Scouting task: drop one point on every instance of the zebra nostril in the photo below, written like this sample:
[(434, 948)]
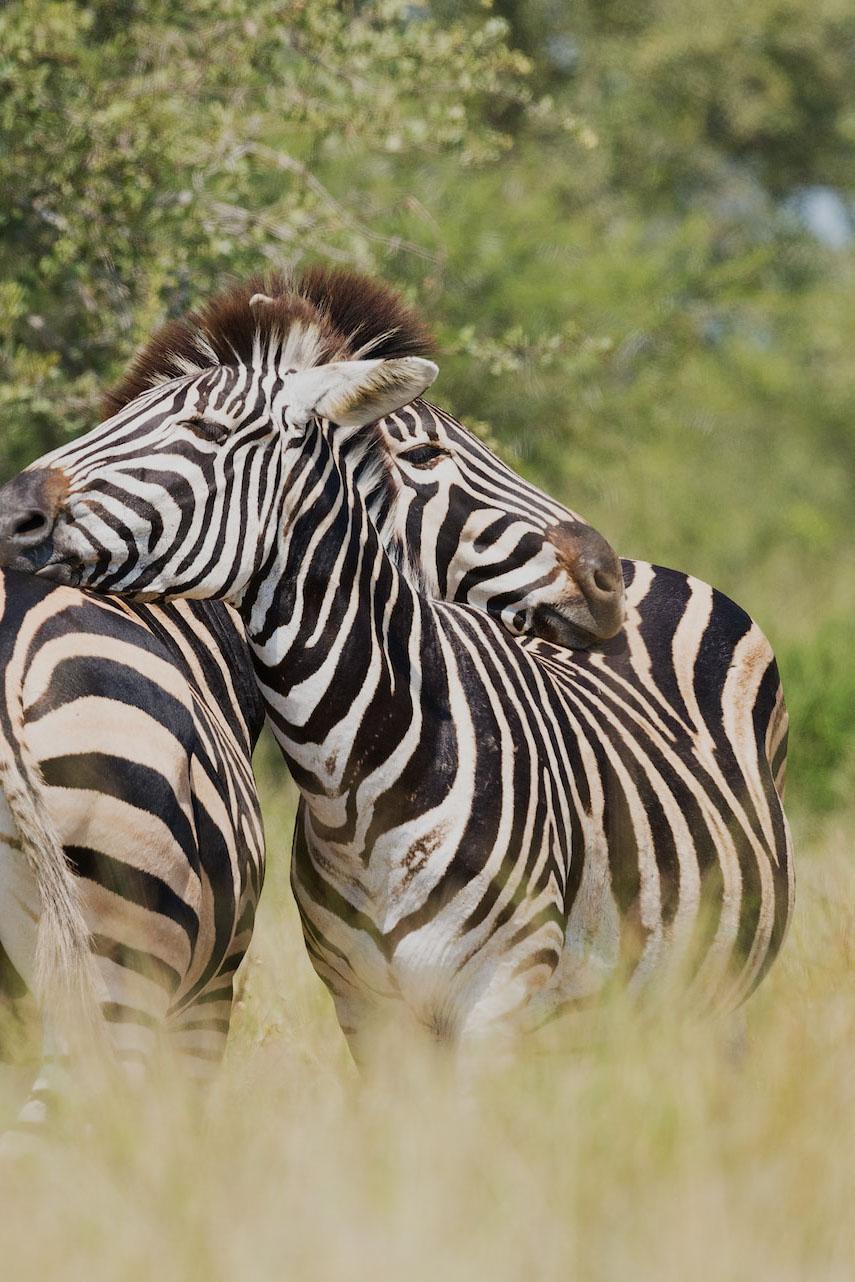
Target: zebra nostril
[(602, 586), (604, 581), (599, 576), (29, 526), (29, 506), (26, 529), (595, 575)]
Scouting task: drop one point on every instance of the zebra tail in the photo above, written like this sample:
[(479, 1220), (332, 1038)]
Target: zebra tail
[(65, 982)]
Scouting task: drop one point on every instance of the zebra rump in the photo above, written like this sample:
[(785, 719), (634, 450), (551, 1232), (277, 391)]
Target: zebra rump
[(127, 734)]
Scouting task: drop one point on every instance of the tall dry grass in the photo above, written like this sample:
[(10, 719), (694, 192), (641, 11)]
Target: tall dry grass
[(662, 1150)]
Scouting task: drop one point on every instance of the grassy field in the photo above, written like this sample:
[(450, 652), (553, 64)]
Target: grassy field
[(661, 1150)]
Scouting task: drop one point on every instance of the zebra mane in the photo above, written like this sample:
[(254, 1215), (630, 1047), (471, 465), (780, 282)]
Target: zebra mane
[(325, 314)]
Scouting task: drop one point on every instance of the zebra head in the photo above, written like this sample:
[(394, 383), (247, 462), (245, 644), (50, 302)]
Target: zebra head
[(473, 531), (181, 490)]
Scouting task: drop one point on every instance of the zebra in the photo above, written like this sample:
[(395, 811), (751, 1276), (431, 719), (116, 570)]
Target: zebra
[(76, 668), (74, 700), (75, 724), (493, 826), (131, 844)]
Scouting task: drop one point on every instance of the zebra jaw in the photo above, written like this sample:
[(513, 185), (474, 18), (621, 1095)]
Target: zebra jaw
[(553, 624)]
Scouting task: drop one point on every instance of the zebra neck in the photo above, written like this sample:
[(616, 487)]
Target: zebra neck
[(346, 651)]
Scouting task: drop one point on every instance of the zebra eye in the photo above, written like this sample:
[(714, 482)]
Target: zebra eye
[(424, 455), (206, 429)]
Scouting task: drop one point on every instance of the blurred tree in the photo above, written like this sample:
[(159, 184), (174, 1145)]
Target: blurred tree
[(657, 317), (821, 680), (146, 149), (689, 88), (682, 89)]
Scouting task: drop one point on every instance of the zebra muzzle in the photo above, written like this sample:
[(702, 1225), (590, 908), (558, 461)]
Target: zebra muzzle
[(597, 608), (29, 505)]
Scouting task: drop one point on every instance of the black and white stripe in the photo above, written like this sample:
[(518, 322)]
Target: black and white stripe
[(494, 827), (131, 728)]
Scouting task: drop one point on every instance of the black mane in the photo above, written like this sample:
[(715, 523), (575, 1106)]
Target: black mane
[(325, 314)]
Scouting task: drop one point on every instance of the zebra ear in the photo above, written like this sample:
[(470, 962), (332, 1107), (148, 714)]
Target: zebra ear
[(353, 393)]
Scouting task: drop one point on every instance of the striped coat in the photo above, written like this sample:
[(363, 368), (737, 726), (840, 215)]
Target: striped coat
[(127, 734), (493, 827)]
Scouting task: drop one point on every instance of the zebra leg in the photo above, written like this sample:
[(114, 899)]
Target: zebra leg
[(199, 1031), (134, 1011), (133, 1005), (738, 1039), (19, 914), (19, 907), (18, 1028)]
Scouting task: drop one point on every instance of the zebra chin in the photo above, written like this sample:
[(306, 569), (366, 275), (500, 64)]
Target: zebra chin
[(69, 573), (42, 560), (573, 626)]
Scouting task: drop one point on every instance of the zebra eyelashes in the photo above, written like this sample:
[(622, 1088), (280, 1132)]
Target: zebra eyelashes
[(427, 455)]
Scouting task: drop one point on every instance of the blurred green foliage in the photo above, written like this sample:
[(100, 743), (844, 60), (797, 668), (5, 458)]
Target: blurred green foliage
[(629, 221), (146, 150), (821, 696)]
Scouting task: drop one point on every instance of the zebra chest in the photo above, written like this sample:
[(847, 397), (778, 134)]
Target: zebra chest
[(459, 943)]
